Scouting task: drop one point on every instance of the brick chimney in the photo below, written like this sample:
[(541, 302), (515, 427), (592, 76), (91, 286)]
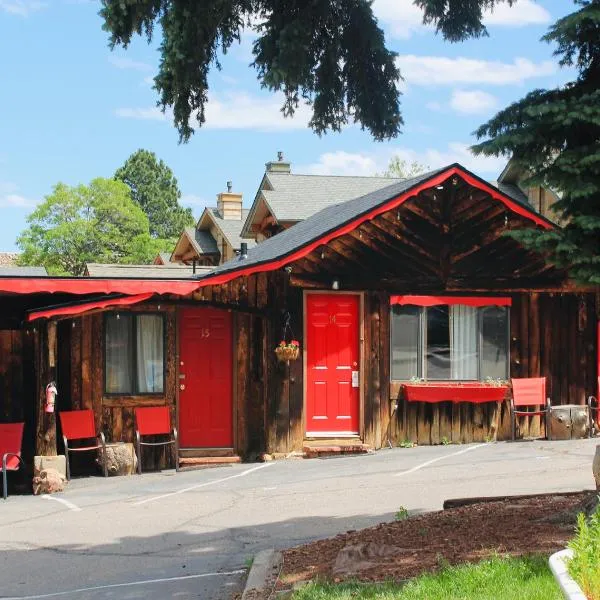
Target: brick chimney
[(279, 165), (229, 204)]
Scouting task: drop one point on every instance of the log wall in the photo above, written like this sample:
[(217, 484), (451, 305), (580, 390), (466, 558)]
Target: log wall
[(17, 385)]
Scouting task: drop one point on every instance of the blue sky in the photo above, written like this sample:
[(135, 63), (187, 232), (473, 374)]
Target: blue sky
[(72, 110)]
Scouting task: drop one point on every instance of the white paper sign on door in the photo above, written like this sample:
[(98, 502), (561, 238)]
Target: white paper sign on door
[(354, 379)]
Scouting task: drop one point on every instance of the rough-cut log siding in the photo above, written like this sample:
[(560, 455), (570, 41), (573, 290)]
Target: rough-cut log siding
[(18, 393), (552, 336)]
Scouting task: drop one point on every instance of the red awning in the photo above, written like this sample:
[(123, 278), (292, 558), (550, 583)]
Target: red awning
[(451, 300), (88, 285), (81, 307)]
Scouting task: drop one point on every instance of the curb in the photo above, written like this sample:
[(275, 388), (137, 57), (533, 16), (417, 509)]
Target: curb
[(263, 573), (568, 586)]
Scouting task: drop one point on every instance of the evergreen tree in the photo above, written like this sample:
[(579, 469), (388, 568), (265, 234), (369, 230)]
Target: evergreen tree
[(154, 187), (331, 55), (554, 135)]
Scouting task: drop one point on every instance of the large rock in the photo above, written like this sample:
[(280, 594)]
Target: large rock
[(48, 481), (596, 467), (120, 459), (354, 558)]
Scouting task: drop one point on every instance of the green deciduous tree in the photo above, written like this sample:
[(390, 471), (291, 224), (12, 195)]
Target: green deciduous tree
[(330, 54), (95, 223), (402, 169), (154, 187)]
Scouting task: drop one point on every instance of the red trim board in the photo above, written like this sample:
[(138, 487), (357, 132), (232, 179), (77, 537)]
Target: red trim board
[(77, 309), (450, 300)]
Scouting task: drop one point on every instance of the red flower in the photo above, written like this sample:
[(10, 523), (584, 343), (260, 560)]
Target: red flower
[(295, 343)]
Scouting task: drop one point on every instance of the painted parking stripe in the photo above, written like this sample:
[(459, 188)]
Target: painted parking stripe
[(434, 460), (66, 503), (201, 485), (129, 584)]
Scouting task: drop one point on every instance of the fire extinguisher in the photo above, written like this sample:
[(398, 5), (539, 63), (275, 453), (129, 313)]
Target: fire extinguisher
[(51, 393)]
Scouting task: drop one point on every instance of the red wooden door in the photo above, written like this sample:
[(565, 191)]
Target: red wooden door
[(205, 392), (332, 395)]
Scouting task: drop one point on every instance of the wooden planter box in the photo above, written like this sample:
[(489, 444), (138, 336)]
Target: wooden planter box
[(454, 392)]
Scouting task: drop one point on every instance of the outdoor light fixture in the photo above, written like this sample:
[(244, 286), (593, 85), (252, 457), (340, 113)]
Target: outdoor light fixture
[(322, 253), (439, 187), (335, 284), (288, 269), (118, 316)]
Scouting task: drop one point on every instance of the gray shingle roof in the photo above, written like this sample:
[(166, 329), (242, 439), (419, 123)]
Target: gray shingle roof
[(297, 197), (231, 228), (334, 217), (203, 241), (319, 224), (23, 271), (169, 271)]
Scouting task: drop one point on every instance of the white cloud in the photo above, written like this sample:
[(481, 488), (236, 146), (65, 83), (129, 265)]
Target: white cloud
[(401, 18), (16, 201), (123, 62), (23, 8), (523, 12), (439, 70), (344, 163), (369, 163), (234, 110), (472, 101)]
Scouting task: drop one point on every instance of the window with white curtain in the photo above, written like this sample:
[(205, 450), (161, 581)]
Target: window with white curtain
[(454, 343), (134, 346)]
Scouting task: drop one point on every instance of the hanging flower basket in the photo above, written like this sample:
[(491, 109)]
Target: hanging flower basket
[(287, 351)]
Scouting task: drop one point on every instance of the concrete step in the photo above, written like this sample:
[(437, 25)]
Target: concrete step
[(208, 460), (202, 452), (321, 448)]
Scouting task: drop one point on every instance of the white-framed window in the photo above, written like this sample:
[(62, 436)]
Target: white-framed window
[(454, 342), (134, 353)]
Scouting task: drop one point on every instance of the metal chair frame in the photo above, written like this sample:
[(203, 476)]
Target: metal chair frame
[(529, 413), (5, 471), (5, 458), (102, 445), (139, 444)]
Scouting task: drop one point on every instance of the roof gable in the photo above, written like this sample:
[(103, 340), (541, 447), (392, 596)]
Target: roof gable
[(337, 220)]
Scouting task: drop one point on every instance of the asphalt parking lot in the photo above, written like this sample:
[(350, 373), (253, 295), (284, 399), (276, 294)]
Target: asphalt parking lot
[(190, 534)]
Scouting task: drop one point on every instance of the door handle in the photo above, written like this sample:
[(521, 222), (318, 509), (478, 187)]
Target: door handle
[(182, 386)]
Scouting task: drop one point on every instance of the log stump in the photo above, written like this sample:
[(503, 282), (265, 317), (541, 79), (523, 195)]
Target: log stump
[(120, 459), (569, 422)]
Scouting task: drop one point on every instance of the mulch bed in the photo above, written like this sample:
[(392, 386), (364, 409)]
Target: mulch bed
[(425, 542)]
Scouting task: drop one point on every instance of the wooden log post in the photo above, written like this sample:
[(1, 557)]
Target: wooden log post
[(45, 339)]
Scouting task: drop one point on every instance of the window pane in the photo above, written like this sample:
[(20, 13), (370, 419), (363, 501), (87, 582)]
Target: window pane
[(150, 354), (494, 345), (119, 368), (405, 342), (438, 342), (463, 342)]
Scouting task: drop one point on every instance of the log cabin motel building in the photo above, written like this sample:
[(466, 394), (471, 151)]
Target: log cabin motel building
[(411, 307)]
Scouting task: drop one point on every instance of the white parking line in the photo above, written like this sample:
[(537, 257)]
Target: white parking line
[(68, 504), (201, 485), (434, 460), (129, 584)]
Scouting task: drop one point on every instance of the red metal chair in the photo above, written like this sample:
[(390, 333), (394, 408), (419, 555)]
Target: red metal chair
[(594, 406), (79, 425), (528, 392), (11, 438), (155, 420)]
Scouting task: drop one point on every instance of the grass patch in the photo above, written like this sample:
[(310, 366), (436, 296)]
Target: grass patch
[(500, 578), (585, 565)]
